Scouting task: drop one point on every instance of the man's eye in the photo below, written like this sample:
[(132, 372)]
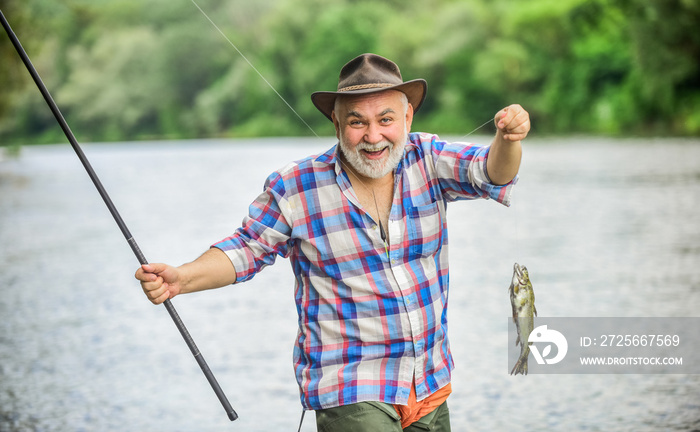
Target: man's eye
[(386, 120), (355, 123)]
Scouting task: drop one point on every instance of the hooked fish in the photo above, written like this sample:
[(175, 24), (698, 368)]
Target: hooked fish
[(522, 299)]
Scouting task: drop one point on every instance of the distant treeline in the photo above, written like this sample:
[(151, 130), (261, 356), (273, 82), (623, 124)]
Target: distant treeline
[(151, 69)]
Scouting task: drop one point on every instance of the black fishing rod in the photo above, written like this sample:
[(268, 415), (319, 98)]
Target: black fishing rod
[(117, 218)]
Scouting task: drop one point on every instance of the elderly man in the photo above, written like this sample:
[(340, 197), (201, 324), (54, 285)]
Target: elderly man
[(364, 227)]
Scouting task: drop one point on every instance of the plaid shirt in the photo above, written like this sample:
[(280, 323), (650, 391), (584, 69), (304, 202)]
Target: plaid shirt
[(370, 322)]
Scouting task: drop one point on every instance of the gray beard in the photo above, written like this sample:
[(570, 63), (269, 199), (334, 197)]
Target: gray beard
[(374, 169)]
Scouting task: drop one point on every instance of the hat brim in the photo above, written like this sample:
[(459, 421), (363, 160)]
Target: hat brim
[(414, 90)]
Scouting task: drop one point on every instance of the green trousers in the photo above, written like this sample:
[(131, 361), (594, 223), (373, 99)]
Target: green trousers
[(378, 417)]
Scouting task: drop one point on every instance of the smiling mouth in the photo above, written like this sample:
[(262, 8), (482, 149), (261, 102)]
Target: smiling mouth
[(374, 154)]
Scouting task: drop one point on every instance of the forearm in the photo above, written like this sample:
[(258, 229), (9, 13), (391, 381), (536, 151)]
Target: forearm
[(503, 161), (213, 269)]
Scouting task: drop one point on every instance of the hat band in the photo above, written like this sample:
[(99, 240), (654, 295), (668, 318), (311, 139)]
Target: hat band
[(366, 86)]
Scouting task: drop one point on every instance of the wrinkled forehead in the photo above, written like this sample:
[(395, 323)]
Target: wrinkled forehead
[(372, 103)]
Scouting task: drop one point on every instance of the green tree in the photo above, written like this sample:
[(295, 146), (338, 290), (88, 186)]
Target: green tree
[(128, 69)]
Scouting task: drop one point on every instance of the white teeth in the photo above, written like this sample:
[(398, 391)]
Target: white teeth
[(373, 148)]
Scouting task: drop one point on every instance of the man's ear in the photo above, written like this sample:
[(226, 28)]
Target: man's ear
[(336, 123), (409, 117)]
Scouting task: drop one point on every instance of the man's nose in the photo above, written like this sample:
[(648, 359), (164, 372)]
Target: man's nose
[(373, 134)]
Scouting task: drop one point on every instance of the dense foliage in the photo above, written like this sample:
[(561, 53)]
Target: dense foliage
[(135, 69)]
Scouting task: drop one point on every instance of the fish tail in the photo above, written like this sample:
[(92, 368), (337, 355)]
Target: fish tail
[(521, 365)]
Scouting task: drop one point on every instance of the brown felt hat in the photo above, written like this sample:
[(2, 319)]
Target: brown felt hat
[(370, 73)]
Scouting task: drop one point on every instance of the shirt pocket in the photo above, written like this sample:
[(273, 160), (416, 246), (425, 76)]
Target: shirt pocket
[(425, 229)]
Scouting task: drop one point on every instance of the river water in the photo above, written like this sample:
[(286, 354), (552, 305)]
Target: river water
[(608, 228)]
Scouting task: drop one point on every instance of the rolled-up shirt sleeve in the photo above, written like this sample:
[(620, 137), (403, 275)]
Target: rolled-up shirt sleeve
[(478, 175), (461, 170), (264, 233)]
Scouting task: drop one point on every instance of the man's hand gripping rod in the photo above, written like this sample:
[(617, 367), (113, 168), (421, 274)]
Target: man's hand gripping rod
[(112, 209)]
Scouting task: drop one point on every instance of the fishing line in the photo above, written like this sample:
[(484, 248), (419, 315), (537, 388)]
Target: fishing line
[(478, 127), (254, 68), (515, 207), (517, 235)]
